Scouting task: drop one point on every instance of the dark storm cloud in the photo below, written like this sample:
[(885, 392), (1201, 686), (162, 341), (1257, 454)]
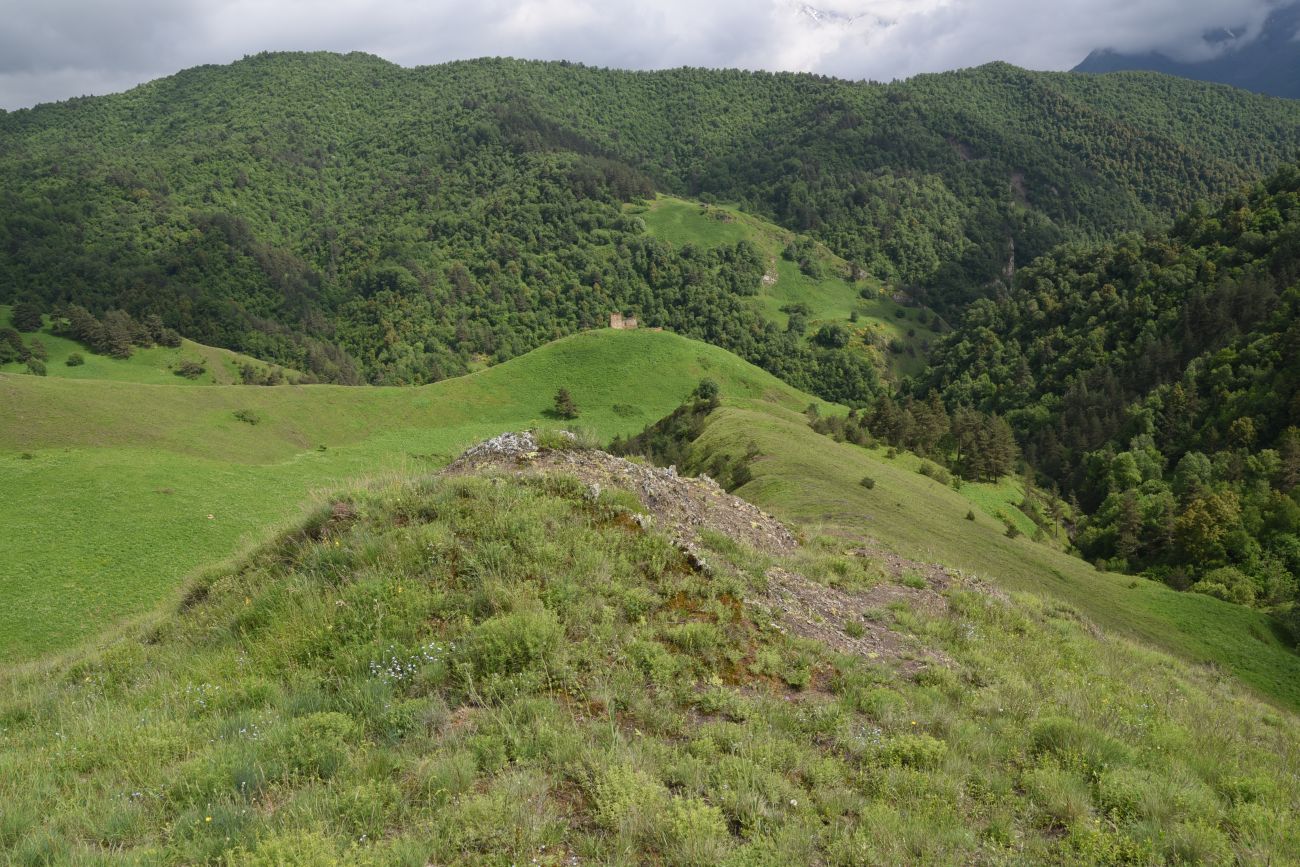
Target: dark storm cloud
[(54, 49)]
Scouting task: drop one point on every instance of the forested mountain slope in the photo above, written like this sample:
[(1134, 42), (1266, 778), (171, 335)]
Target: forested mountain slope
[(359, 221), (1157, 380)]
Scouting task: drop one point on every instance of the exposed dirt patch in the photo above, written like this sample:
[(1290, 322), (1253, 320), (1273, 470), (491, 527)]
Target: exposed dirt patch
[(937, 578), (827, 614), (1018, 187), (683, 507), (680, 506)]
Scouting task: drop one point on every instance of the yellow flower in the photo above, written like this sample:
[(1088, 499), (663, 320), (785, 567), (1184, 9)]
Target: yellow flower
[(208, 819)]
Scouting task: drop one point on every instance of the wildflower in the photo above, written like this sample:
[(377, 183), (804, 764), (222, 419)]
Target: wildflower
[(208, 819)]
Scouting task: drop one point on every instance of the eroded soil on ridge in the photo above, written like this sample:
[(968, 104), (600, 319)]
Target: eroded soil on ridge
[(680, 505), (848, 621)]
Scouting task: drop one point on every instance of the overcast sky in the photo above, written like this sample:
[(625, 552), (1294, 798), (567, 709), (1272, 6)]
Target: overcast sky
[(55, 49)]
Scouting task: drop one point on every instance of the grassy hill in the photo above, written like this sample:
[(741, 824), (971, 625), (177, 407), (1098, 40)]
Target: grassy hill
[(115, 490), (488, 669), (809, 479), (155, 364), (156, 481), (830, 298)]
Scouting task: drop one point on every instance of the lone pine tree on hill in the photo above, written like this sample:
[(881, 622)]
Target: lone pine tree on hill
[(564, 405)]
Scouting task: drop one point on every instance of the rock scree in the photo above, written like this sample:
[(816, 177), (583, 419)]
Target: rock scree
[(681, 506)]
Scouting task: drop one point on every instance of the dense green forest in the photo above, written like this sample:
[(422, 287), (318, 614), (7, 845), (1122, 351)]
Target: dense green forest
[(362, 222), (1156, 379)]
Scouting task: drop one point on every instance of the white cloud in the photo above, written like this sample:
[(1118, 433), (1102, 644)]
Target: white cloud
[(60, 48)]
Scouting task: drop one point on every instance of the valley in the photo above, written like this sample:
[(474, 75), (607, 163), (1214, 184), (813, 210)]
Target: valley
[(934, 497)]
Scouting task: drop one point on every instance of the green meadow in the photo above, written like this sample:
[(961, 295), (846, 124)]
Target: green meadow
[(147, 483), (114, 491), (251, 625), (492, 671), (830, 299)]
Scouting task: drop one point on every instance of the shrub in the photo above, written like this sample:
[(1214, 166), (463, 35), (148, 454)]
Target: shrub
[(1077, 745), (832, 336), (970, 514), (35, 367), (627, 800), (867, 482), (190, 369), (512, 642), (697, 832), (695, 637), (304, 848), (37, 349), (316, 745), (914, 751), (1060, 796), (931, 471), (575, 438), (439, 778), (248, 416), (1227, 583), (76, 359), (1197, 842), (1127, 794), (913, 580), (708, 389)]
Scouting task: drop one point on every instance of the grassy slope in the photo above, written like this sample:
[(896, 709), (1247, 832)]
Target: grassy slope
[(109, 485), (812, 480), (830, 299), (132, 473), (157, 364), (476, 673)]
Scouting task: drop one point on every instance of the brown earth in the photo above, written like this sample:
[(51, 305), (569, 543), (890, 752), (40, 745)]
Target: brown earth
[(683, 507)]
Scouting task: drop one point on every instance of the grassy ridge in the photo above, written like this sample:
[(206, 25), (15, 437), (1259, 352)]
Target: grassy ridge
[(132, 473), (110, 485), (831, 298), (475, 671), (155, 364), (807, 478)]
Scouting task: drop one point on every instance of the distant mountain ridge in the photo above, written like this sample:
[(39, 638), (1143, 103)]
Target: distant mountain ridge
[(351, 219), (1269, 64)]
